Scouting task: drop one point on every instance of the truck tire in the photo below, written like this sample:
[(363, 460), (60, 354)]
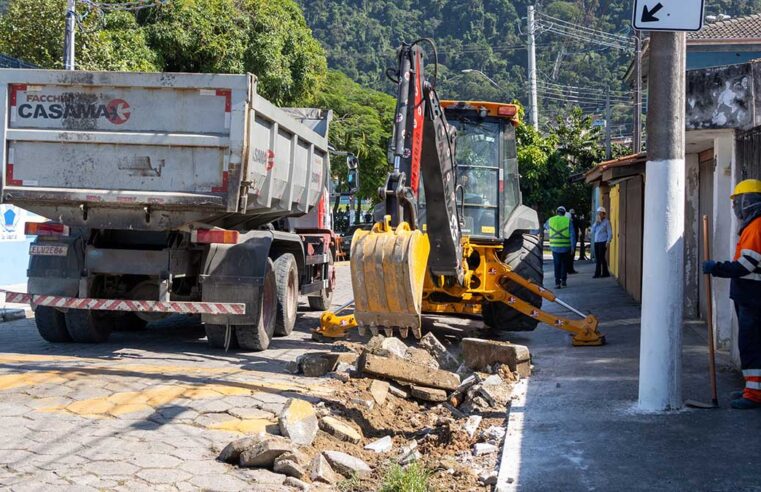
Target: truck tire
[(215, 336), (523, 252), (51, 324), (287, 279), (257, 337), (87, 326), (322, 301)]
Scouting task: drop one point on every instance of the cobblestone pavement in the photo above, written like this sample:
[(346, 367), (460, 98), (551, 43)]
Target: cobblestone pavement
[(148, 410)]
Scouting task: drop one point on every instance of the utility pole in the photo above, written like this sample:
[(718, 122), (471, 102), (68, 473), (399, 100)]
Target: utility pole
[(638, 93), (660, 368), (68, 47), (608, 121), (533, 104)]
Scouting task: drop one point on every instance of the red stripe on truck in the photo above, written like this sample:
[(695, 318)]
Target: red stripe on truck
[(14, 88)]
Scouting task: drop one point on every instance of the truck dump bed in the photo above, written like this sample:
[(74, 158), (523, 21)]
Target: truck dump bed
[(156, 151)]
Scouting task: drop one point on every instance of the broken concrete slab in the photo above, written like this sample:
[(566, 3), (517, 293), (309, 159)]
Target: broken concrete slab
[(367, 403), (231, 452), (408, 453), (379, 390), (471, 425), (382, 445), (488, 478), (494, 432), (296, 484), (298, 421), (290, 464), (397, 391), (496, 395), (402, 370), (321, 471), (478, 354), (339, 429), (320, 363), (420, 357), (433, 346), (483, 448), (263, 453), (428, 394), (346, 464)]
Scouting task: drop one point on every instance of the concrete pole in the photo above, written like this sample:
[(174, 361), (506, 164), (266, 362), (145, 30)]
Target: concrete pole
[(660, 371), (68, 47), (638, 94), (533, 98)]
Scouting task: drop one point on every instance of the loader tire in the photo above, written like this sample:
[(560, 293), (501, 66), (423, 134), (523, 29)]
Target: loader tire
[(51, 323), (323, 301), (287, 279), (215, 336), (257, 337), (523, 253), (87, 326)]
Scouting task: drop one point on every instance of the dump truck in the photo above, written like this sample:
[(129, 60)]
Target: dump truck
[(452, 236), (166, 194)]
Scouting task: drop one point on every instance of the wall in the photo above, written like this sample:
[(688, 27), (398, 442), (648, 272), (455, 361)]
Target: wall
[(691, 238), (706, 59), (615, 244), (721, 97), (724, 235)]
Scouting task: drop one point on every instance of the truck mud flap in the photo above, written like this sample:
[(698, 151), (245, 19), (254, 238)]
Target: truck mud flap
[(235, 273)]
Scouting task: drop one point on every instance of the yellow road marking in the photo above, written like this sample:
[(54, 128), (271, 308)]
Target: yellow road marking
[(248, 426)]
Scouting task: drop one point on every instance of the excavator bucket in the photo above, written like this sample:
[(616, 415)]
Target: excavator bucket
[(387, 273)]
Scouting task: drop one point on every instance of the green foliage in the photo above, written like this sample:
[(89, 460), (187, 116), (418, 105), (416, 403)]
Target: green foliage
[(413, 478), (362, 124), (269, 38)]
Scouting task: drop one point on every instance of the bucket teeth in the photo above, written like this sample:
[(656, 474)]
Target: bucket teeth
[(404, 332), (389, 332), (374, 330)]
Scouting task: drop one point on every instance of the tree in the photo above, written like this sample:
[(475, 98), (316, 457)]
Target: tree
[(269, 38), (33, 31), (362, 124)]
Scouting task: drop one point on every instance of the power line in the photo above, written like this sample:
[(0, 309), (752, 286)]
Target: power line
[(596, 96), (583, 89), (589, 30)]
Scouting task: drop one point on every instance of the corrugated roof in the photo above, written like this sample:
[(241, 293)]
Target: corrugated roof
[(748, 27), (629, 160)]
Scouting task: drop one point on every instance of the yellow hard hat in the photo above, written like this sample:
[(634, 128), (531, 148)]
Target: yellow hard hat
[(747, 186)]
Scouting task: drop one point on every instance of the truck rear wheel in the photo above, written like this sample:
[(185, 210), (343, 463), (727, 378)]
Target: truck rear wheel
[(215, 336), (86, 326), (51, 323), (287, 279), (523, 253), (257, 337), (322, 301)]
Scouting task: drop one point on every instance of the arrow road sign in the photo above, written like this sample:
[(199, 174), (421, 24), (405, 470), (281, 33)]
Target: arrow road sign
[(668, 15)]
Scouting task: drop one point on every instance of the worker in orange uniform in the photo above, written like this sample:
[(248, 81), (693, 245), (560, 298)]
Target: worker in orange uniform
[(745, 290)]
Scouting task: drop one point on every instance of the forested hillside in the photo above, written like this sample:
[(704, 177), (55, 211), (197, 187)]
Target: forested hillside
[(360, 37)]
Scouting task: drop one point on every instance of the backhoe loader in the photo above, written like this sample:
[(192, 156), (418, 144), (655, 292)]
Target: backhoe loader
[(453, 236)]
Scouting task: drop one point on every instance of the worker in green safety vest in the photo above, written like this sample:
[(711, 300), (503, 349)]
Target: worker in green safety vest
[(562, 236)]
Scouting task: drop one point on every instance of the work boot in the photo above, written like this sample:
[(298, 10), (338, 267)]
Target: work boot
[(557, 286), (564, 284), (744, 404)]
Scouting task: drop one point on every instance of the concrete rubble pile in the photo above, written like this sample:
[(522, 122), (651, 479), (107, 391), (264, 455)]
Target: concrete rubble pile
[(385, 385)]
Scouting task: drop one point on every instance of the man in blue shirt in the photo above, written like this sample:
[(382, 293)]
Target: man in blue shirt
[(562, 236), (602, 235)]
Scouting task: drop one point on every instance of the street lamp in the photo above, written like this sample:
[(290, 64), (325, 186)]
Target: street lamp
[(471, 70)]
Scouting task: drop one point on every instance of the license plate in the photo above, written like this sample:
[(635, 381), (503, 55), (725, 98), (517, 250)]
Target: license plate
[(49, 249)]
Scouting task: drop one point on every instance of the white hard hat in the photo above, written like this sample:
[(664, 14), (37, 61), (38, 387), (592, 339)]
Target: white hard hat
[(561, 208), (601, 210)]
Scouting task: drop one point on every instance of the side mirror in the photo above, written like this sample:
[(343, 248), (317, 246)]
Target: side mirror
[(352, 162)]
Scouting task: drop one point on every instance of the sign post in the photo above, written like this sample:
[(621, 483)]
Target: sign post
[(660, 372)]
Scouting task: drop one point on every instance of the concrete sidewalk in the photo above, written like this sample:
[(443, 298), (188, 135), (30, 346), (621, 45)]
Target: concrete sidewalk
[(580, 426)]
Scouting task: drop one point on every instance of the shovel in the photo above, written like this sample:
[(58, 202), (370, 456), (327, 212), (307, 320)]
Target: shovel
[(709, 323)]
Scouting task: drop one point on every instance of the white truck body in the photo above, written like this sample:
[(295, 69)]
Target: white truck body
[(155, 151)]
